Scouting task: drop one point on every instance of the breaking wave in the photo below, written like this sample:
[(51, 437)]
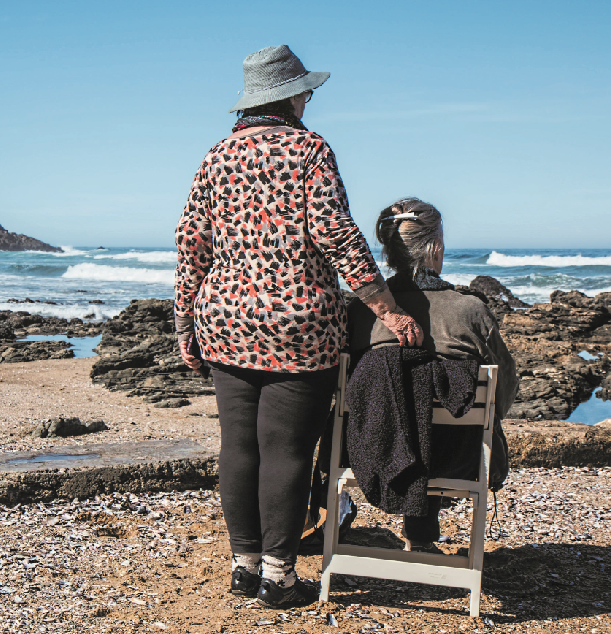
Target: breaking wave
[(553, 261), (150, 257), (69, 252), (69, 311), (105, 273)]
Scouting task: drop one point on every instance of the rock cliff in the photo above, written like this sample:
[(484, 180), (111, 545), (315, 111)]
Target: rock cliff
[(18, 242)]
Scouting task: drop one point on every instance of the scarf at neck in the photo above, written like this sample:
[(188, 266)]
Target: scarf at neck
[(425, 280), (268, 120)]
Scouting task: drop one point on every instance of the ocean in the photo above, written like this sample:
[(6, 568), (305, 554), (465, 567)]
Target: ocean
[(96, 284), (111, 277)]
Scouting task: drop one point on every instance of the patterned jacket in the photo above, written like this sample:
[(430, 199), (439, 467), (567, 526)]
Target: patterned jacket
[(261, 240)]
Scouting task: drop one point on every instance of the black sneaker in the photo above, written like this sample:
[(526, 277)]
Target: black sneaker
[(271, 595), (244, 583)]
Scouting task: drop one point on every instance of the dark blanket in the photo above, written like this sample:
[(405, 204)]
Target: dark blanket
[(389, 430)]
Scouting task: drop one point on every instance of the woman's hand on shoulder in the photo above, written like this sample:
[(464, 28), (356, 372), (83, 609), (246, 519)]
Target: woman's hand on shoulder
[(404, 327)]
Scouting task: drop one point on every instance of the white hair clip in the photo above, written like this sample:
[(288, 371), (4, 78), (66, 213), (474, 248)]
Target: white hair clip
[(405, 216)]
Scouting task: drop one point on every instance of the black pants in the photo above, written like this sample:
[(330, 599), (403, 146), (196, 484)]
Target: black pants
[(270, 424), (426, 528)]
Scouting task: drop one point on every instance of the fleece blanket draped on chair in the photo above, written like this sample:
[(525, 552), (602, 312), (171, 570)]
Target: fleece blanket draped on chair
[(389, 431)]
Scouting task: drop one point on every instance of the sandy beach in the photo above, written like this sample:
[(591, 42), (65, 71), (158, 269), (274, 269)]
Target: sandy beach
[(38, 390), (160, 561), (122, 552)]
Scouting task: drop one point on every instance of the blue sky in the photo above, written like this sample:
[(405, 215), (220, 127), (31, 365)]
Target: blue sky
[(496, 112)]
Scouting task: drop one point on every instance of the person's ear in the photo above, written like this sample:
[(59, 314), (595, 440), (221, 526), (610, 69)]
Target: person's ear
[(293, 100)]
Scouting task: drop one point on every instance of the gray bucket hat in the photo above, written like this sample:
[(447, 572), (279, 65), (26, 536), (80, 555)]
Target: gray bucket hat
[(275, 73)]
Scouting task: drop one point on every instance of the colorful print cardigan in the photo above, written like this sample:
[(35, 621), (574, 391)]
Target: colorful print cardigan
[(265, 231)]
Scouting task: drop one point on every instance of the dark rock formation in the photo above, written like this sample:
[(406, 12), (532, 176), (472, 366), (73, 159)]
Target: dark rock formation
[(19, 242), (14, 325), (497, 297), (65, 427), (558, 444), (546, 340), (493, 289), (21, 351), (139, 354), (6, 332), (605, 389), (23, 323)]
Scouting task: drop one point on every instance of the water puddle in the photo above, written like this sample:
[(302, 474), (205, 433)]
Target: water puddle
[(586, 356), (81, 346), (51, 457), (593, 411)]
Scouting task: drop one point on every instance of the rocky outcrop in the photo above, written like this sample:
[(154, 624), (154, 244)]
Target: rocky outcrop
[(139, 354), (19, 242), (64, 427), (22, 324), (497, 297), (546, 341), (22, 351), (496, 292), (557, 444), (19, 324)]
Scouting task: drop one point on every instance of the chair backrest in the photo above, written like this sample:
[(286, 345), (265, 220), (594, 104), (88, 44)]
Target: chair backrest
[(481, 413)]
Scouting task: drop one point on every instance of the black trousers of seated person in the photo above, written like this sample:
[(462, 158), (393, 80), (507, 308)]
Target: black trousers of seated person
[(426, 528), (270, 424)]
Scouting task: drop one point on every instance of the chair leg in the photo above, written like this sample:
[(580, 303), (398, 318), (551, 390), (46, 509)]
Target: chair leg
[(331, 538), (476, 547), (476, 591), (325, 584)]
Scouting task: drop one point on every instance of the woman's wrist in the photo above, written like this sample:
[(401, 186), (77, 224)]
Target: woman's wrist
[(371, 290), (383, 304), (184, 325)]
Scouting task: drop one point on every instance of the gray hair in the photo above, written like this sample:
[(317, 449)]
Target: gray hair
[(409, 231)]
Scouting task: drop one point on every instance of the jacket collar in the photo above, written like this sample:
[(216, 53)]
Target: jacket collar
[(425, 280)]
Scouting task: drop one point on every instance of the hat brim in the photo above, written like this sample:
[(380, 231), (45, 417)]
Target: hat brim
[(307, 82)]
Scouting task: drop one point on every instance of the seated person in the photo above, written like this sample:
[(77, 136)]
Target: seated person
[(456, 327)]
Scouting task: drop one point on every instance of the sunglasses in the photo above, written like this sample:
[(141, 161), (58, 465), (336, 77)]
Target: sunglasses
[(308, 94)]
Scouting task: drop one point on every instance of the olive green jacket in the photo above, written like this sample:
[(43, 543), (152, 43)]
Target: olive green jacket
[(455, 326)]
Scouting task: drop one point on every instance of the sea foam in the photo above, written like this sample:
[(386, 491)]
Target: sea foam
[(69, 311), (105, 273), (150, 257), (69, 252), (554, 261)]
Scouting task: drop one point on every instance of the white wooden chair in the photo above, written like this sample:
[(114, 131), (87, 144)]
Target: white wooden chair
[(444, 570)]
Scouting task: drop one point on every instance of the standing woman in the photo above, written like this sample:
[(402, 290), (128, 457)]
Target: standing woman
[(263, 236)]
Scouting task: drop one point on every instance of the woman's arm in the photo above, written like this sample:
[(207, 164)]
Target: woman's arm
[(193, 239), (344, 246)]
